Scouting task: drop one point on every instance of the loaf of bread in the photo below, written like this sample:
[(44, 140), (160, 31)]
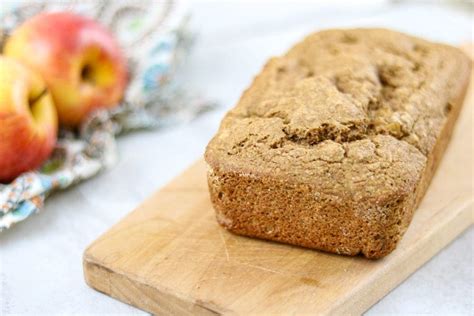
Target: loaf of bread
[(334, 144)]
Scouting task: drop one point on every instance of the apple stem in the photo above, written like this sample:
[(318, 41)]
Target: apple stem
[(87, 73), (32, 101)]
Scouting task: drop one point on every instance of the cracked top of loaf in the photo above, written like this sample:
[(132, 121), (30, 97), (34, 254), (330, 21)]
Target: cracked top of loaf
[(350, 112)]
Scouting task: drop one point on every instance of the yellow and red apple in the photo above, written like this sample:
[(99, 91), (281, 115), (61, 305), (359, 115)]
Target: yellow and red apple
[(28, 119), (79, 59)]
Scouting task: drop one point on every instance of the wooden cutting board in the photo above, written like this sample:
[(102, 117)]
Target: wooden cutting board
[(169, 256)]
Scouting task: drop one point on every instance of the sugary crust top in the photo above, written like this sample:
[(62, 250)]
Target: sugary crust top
[(350, 112)]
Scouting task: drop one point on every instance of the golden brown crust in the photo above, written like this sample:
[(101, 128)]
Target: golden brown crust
[(334, 144)]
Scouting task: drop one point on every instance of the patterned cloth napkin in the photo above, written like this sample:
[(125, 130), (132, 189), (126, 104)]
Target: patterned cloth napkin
[(155, 38)]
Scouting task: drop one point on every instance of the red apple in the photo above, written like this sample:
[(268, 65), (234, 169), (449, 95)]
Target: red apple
[(79, 59), (28, 119)]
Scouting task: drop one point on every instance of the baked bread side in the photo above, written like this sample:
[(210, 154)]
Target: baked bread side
[(334, 144)]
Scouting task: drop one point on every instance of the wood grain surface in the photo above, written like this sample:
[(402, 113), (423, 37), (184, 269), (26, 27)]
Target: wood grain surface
[(169, 256)]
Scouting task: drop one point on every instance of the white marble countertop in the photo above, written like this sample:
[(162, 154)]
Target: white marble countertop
[(41, 259)]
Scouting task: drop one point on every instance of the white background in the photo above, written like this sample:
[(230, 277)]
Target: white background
[(41, 259)]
